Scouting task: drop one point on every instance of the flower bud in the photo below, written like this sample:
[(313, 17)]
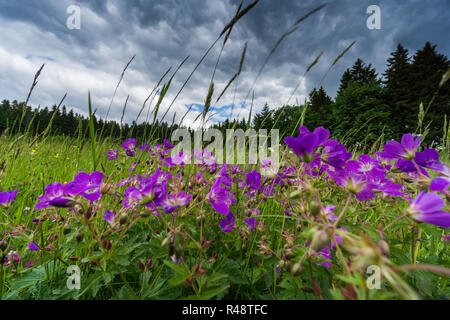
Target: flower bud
[(148, 199), (106, 244), (74, 259), (423, 182), (201, 219), (3, 245), (106, 188), (66, 229), (146, 213), (79, 236), (384, 248), (288, 266), (165, 242), (296, 269), (141, 266), (88, 214), (320, 240), (314, 207), (123, 218), (295, 194)]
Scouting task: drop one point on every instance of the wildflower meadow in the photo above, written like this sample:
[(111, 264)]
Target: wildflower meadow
[(319, 212)]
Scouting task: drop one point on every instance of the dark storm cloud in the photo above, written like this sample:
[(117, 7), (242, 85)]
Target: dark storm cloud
[(163, 33)]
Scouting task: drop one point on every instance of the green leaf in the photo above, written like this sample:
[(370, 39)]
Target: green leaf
[(210, 293), (181, 273)]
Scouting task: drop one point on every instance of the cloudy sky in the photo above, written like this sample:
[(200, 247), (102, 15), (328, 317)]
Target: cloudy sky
[(162, 33)]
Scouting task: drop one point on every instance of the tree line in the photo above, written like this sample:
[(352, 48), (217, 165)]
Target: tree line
[(16, 118), (368, 107), (410, 96)]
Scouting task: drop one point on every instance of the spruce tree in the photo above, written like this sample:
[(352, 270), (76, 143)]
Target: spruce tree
[(397, 80), (319, 110), (264, 119), (360, 72), (427, 70)]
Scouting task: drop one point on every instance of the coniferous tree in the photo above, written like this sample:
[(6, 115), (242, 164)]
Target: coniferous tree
[(360, 114), (397, 80), (427, 69), (360, 72), (319, 109), (263, 120)]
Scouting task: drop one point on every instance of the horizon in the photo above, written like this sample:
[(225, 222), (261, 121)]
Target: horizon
[(92, 58)]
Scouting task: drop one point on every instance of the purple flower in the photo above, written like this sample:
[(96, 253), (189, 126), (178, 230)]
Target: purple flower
[(405, 150), (175, 260), (113, 154), (58, 195), (33, 246), (130, 147), (28, 264), (227, 224), (252, 222), (168, 145), (325, 253), (368, 166), (145, 147), (327, 211), (439, 184), (151, 192), (7, 197), (133, 166), (427, 207), (90, 183), (387, 187), (199, 177), (353, 182), (306, 144), (407, 166), (446, 238), (205, 157), (220, 197), (179, 159), (174, 201), (253, 180), (129, 144), (429, 158), (335, 154), (16, 257), (109, 216)]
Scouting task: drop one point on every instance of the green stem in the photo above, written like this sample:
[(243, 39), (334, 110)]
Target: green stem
[(343, 209), (394, 221), (417, 245)]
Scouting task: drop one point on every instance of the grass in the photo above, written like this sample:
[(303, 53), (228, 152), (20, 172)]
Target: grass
[(147, 254), (242, 258)]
